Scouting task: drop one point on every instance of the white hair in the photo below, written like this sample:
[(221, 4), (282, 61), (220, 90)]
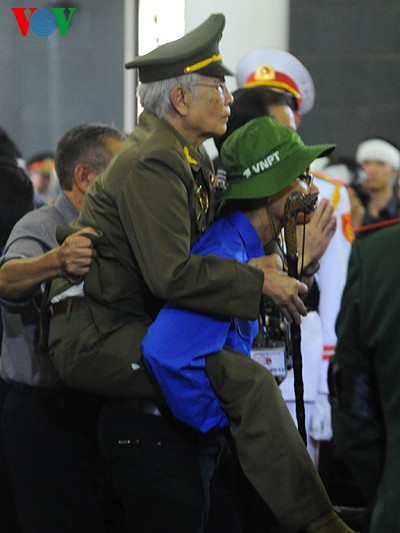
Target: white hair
[(156, 96)]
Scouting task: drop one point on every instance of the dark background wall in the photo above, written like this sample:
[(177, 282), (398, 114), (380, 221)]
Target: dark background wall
[(49, 84), (352, 49)]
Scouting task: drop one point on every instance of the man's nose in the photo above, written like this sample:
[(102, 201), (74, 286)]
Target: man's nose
[(228, 96)]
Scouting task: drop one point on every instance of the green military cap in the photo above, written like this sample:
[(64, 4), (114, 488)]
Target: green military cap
[(263, 157), (197, 51)]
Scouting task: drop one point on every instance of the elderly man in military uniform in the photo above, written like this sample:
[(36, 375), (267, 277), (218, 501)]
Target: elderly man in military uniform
[(149, 208)]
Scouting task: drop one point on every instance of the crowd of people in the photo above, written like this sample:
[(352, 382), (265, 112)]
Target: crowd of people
[(146, 306)]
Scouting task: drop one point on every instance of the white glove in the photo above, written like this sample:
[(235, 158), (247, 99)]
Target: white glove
[(321, 425)]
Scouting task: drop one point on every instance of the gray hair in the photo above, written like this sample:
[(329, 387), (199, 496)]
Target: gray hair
[(86, 142), (156, 96)]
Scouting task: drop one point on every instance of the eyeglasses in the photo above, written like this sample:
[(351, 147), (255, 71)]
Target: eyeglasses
[(220, 86), (307, 178)]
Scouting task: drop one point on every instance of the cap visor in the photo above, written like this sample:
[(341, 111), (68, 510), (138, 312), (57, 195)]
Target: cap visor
[(131, 64), (215, 70)]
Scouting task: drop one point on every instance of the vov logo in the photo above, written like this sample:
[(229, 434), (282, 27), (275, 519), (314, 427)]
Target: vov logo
[(43, 22)]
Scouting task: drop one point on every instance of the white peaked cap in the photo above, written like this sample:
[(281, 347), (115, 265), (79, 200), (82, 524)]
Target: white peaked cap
[(279, 70)]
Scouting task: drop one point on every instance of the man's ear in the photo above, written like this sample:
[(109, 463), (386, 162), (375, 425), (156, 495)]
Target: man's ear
[(83, 175), (180, 99)]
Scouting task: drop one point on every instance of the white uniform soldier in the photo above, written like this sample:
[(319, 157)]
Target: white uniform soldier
[(282, 71)]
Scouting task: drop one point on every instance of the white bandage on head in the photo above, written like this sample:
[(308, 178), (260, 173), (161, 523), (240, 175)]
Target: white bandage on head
[(378, 150)]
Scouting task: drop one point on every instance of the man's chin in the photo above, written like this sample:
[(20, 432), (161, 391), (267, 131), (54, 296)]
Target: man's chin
[(218, 132)]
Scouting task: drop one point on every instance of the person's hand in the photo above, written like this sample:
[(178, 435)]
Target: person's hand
[(77, 253), (285, 292), (319, 232)]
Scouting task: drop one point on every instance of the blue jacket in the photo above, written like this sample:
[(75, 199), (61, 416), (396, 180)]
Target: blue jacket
[(177, 343)]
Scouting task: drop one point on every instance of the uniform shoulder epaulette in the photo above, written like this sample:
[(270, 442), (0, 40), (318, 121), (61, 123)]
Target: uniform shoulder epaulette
[(369, 228), (325, 177)]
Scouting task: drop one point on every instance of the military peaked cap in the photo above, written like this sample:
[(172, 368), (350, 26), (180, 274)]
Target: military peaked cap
[(195, 52), (279, 70)]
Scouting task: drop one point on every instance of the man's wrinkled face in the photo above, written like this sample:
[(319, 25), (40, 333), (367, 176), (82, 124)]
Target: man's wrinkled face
[(210, 108)]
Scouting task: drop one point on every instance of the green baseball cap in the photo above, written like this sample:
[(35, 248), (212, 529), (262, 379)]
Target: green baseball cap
[(263, 157), (197, 51)]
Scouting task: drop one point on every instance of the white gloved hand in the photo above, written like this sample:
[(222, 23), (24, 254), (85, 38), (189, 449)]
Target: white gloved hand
[(321, 424)]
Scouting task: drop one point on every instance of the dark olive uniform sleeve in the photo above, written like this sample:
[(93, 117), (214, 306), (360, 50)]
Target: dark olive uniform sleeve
[(147, 210), (155, 212), (357, 439)]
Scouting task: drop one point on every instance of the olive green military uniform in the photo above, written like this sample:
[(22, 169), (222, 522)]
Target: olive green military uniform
[(149, 207), (144, 252), (366, 367), (96, 347), (156, 168)]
